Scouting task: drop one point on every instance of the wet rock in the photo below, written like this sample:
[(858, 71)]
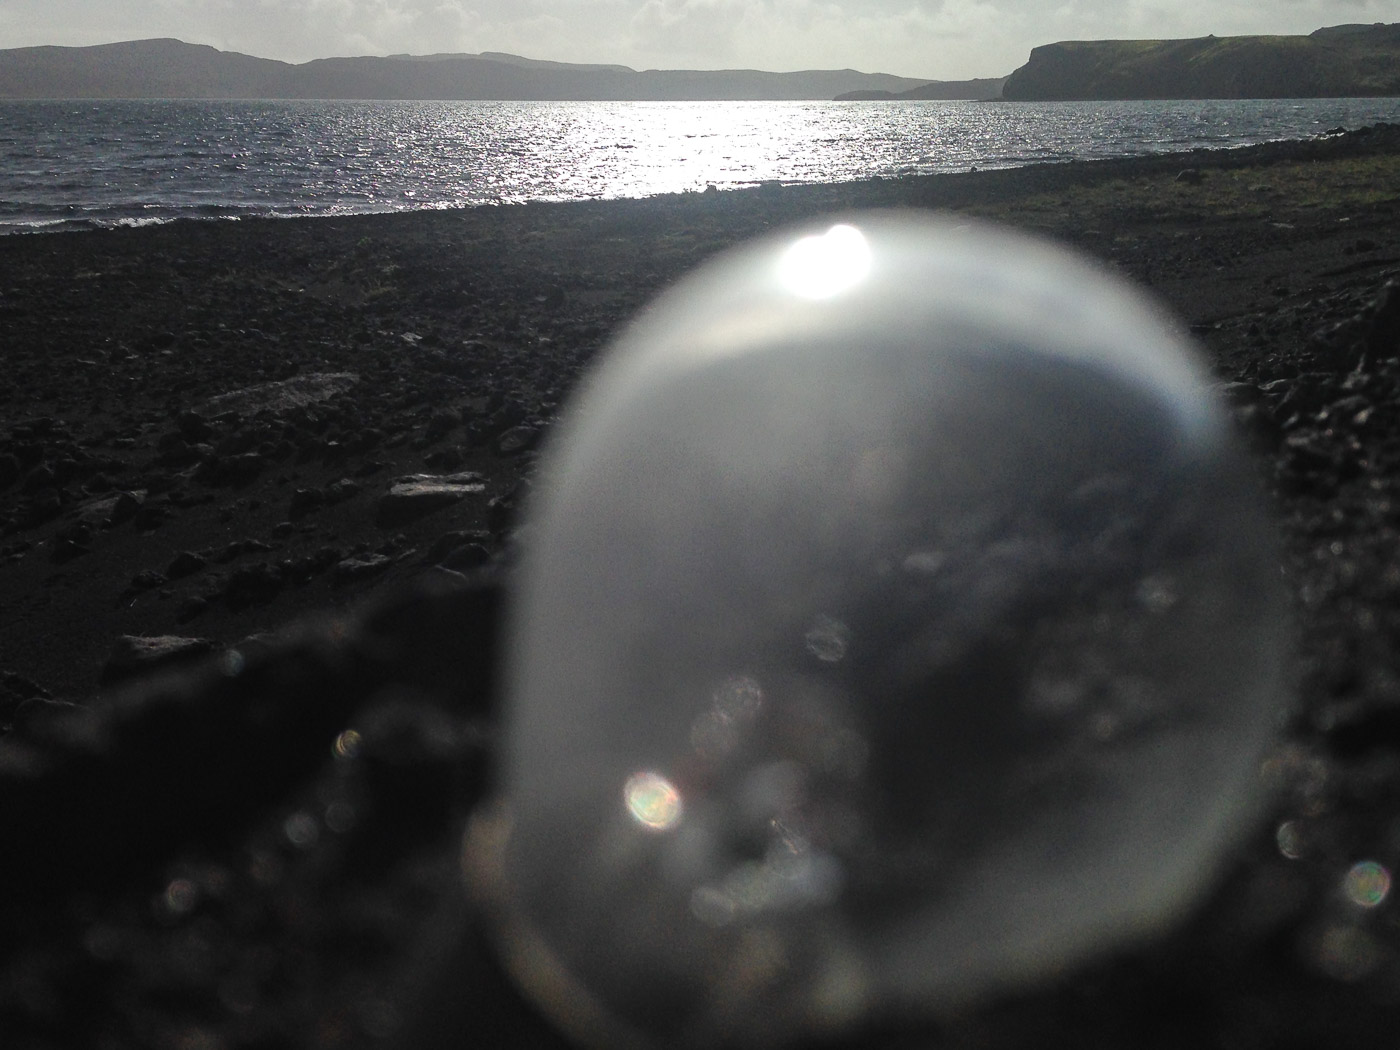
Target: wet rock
[(416, 495), (134, 655)]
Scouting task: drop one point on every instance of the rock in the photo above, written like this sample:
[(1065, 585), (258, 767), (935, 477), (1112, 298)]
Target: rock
[(284, 395), (253, 585), (445, 458), (190, 608), (237, 548), (136, 654), (304, 501), (443, 422), (517, 439), (361, 567), (301, 570), (125, 506), (339, 491), (193, 426), (146, 580), (186, 563), (411, 497), (9, 470), (44, 507), (233, 470), (40, 478), (65, 550)]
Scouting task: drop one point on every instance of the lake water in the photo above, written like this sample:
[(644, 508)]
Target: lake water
[(77, 164)]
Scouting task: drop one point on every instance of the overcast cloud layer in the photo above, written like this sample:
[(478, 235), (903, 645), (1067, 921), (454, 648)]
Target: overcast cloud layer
[(936, 39)]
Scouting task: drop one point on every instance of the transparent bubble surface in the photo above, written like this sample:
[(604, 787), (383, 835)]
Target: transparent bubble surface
[(899, 625)]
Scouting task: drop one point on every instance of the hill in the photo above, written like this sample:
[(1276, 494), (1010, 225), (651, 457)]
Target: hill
[(174, 69), (1336, 62), (982, 88)]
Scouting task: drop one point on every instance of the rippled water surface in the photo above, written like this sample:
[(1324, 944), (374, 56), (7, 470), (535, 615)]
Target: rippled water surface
[(82, 163)]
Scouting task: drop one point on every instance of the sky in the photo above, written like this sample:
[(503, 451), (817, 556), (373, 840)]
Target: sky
[(928, 39)]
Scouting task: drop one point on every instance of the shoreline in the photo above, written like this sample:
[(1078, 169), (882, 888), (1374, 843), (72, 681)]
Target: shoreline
[(214, 187), (489, 315), (201, 433)]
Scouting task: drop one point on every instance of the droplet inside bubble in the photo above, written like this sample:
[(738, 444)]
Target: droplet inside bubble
[(899, 625)]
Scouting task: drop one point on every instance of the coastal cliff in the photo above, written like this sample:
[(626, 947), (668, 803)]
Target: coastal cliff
[(1337, 62)]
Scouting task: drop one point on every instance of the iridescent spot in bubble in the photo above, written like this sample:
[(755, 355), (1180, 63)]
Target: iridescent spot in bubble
[(301, 830), (1367, 884), (828, 639), (1289, 839), (232, 663), (181, 896), (1157, 594), (738, 698), (347, 744), (652, 801), (1346, 953), (734, 705)]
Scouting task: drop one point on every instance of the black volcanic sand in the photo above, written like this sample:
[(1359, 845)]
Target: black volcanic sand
[(200, 424)]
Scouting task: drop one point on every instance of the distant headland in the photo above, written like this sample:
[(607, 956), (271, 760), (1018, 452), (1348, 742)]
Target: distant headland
[(1348, 61), (1335, 62)]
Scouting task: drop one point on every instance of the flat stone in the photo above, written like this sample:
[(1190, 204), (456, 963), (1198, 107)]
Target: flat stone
[(282, 395), (413, 496), (134, 655)]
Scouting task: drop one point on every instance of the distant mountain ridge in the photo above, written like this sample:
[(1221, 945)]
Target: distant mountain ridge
[(174, 69), (981, 88), (1343, 61)]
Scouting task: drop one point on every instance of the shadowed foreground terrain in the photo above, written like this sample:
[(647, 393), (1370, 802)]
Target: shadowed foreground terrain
[(280, 462)]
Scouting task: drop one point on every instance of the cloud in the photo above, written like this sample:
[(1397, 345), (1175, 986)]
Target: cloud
[(946, 39)]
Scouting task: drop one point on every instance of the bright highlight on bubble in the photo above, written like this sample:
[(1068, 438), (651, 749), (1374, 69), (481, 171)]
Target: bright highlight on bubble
[(923, 559), (652, 801), (826, 265)]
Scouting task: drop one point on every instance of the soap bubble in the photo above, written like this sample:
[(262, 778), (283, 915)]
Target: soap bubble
[(899, 625)]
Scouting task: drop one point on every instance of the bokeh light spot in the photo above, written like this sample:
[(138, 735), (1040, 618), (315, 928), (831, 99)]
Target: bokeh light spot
[(652, 801), (1367, 884)]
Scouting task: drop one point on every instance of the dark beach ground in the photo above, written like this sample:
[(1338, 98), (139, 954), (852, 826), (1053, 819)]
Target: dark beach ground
[(194, 857)]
